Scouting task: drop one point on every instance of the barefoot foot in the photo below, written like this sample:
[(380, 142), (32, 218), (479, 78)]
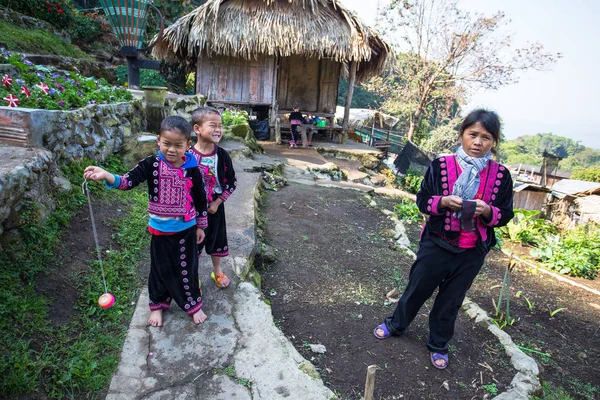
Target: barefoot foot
[(155, 318), (199, 317)]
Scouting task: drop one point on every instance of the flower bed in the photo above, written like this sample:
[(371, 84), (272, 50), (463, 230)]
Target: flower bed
[(34, 86)]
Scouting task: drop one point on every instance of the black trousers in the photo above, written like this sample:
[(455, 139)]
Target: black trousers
[(215, 241), (435, 267), (174, 272), (295, 132)]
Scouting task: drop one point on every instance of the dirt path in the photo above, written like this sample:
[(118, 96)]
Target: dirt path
[(336, 260), (335, 263)]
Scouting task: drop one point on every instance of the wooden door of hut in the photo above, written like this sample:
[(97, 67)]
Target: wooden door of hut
[(311, 83), (236, 80)]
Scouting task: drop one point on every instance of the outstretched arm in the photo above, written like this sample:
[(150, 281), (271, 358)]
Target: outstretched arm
[(98, 174)]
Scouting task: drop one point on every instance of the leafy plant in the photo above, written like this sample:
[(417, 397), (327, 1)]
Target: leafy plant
[(57, 12), (528, 228), (411, 181), (407, 210), (88, 26), (233, 116), (36, 86), (148, 77), (491, 388), (576, 252)]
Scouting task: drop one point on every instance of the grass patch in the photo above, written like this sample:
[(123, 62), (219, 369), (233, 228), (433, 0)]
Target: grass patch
[(573, 389), (36, 41), (76, 360)]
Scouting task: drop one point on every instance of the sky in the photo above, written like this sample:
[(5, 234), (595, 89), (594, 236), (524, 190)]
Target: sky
[(564, 101)]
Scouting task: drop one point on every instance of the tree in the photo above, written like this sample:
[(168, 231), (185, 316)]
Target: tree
[(448, 53)]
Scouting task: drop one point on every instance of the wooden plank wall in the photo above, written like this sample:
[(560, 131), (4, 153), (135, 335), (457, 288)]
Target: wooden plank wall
[(235, 80), (312, 83), (529, 199)]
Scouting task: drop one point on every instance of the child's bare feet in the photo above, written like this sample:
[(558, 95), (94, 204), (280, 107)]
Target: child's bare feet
[(155, 318), (199, 317)]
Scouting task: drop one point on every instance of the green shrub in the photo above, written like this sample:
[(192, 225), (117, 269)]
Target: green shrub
[(591, 174), (527, 228), (148, 77), (407, 210), (576, 253), (232, 116), (57, 12), (411, 182), (87, 27)]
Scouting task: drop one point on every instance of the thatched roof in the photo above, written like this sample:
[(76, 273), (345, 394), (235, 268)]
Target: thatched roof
[(248, 28)]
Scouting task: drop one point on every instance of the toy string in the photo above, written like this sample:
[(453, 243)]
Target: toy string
[(86, 192)]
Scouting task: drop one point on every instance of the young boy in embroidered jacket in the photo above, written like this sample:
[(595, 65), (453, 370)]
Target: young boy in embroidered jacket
[(219, 181), (178, 216)]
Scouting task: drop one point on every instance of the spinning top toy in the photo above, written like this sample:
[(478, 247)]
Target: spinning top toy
[(106, 300)]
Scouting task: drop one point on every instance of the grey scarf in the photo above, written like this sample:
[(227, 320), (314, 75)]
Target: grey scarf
[(467, 184)]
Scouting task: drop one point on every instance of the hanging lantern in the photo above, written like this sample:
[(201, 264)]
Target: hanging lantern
[(127, 19)]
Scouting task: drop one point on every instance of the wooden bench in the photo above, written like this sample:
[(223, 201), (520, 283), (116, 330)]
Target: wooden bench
[(330, 130)]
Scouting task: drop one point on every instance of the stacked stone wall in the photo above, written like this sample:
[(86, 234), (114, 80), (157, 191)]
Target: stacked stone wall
[(31, 171)]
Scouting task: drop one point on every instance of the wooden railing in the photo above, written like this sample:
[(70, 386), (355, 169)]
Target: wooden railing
[(386, 140)]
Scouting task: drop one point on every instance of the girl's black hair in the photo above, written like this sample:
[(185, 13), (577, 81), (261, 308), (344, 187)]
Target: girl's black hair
[(200, 113), (175, 123), (489, 120)]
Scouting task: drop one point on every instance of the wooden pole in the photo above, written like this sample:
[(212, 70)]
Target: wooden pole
[(370, 383), (351, 79), (275, 133)]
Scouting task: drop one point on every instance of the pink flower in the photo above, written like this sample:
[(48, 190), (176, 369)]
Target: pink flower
[(12, 100), (25, 91), (44, 87), (7, 80)]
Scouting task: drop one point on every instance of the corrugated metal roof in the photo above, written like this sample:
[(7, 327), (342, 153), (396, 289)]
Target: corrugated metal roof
[(574, 187)]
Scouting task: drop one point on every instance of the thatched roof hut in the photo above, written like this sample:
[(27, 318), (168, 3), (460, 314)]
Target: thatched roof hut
[(274, 52)]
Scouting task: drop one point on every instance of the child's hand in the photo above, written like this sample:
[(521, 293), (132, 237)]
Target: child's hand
[(96, 174), (199, 235), (214, 206)]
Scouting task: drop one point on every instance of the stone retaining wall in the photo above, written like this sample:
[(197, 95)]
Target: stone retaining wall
[(31, 170)]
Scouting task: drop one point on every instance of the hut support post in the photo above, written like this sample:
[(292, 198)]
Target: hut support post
[(275, 133), (351, 79)]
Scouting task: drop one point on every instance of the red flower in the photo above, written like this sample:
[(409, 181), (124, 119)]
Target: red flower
[(60, 11), (12, 100), (44, 87), (7, 80), (25, 91)]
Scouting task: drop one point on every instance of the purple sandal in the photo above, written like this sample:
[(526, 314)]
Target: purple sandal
[(386, 332), (437, 356)]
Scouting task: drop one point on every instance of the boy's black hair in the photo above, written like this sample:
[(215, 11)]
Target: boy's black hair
[(175, 123), (489, 120), (200, 113)]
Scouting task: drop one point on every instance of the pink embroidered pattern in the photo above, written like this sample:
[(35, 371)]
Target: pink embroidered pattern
[(174, 197)]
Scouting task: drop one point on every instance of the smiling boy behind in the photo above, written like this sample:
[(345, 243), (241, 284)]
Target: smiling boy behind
[(219, 181)]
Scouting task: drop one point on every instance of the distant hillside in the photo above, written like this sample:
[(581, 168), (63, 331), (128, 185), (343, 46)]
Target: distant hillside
[(529, 149)]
